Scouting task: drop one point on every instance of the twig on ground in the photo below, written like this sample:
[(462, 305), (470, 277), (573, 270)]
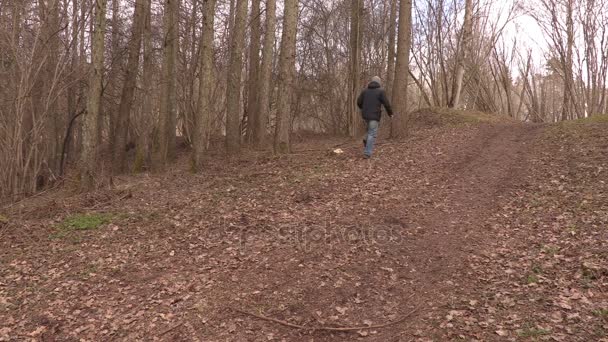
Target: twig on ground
[(321, 328), (166, 331), (8, 204), (129, 194), (287, 324)]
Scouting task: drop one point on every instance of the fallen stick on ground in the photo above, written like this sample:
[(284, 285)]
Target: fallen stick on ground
[(301, 327), (166, 331), (129, 194)]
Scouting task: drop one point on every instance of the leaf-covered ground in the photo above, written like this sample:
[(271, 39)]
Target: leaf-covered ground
[(488, 232)]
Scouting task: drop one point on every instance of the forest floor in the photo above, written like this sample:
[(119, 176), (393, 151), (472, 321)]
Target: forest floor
[(487, 232)]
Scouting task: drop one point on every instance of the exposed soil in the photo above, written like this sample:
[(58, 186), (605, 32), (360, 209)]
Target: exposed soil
[(478, 232)]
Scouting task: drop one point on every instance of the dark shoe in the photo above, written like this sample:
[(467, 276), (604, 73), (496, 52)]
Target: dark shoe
[(365, 156), (364, 142)]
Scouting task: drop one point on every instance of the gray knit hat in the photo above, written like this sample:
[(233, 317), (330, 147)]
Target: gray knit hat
[(377, 80)]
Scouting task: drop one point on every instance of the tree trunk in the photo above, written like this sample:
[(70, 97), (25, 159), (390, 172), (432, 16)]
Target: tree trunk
[(189, 61), (287, 65), (112, 85), (143, 144), (128, 90), (83, 69), (567, 111), (73, 89), (354, 119), (390, 72), (16, 34), (254, 70), (399, 124), (49, 15), (203, 119), (235, 70), (73, 50), (115, 28), (90, 128), (265, 77), (168, 111), (467, 32)]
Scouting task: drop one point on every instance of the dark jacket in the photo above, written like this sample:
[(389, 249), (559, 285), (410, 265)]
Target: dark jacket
[(371, 100)]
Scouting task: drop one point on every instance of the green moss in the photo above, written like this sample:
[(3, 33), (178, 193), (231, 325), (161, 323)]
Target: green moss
[(550, 250), (532, 279), (138, 164), (193, 167), (468, 116), (85, 222), (601, 312), (3, 219), (282, 148), (533, 332), (572, 126), (81, 222), (590, 120)]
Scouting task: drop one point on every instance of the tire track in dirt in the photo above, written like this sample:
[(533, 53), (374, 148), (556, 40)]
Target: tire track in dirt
[(468, 188)]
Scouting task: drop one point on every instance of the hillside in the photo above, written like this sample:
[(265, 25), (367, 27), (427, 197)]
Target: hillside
[(488, 231)]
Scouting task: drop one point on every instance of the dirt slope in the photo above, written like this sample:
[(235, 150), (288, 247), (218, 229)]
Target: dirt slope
[(487, 231)]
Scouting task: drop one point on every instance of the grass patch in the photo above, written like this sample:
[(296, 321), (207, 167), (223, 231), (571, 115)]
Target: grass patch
[(601, 313), (3, 219), (589, 278), (573, 127), (81, 222), (533, 332), (532, 279), (86, 273), (550, 250), (595, 119), (590, 120), (535, 203), (85, 221)]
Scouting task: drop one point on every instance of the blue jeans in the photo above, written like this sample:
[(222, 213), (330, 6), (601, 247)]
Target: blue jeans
[(372, 132)]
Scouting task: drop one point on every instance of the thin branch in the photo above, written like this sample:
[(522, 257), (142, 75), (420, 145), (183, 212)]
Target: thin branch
[(323, 328)]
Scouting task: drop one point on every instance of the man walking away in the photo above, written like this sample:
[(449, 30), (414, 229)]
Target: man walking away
[(370, 102)]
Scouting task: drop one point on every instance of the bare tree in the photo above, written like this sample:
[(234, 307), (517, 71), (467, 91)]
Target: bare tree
[(166, 137), (144, 128), (355, 125), (287, 66), (128, 90), (556, 18), (91, 122), (47, 102), (202, 120), (265, 76), (390, 71), (400, 93), (235, 70), (254, 69), (461, 57)]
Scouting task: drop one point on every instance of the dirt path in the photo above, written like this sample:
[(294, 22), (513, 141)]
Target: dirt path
[(310, 239), (468, 189), (463, 191)]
